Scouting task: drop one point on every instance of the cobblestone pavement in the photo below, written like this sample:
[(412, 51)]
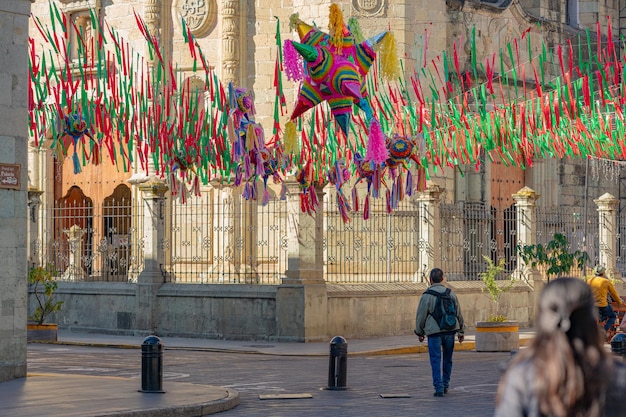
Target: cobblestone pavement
[(403, 379)]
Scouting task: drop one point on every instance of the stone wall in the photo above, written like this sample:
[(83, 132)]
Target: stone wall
[(258, 312), (13, 130)]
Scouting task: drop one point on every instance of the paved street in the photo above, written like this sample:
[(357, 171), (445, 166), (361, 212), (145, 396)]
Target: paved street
[(472, 392)]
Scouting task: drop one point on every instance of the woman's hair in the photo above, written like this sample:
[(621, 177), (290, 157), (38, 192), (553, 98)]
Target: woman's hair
[(567, 354)]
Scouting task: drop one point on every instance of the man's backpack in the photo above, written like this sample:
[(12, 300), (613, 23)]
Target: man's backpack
[(445, 310)]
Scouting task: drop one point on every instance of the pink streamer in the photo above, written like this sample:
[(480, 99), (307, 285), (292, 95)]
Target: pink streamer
[(376, 148), (293, 62)]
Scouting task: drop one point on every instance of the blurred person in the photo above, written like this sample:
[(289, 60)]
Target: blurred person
[(602, 287), (430, 322), (566, 371)]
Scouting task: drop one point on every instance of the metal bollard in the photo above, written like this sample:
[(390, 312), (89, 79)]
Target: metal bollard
[(338, 364), (152, 365)]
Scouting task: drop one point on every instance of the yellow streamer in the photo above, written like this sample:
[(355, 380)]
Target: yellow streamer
[(335, 26), (389, 63), (290, 140)]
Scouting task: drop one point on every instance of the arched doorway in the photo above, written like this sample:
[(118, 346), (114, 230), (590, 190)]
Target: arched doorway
[(73, 232), (116, 226)]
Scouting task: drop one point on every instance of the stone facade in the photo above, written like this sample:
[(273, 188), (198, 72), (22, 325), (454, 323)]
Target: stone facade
[(14, 16), (238, 38)]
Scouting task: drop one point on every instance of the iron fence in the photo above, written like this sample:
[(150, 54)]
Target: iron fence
[(621, 243), (580, 230), (471, 232), (383, 248), (85, 242), (222, 238)]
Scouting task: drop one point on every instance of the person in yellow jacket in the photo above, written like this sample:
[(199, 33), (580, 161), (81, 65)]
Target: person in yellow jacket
[(601, 288)]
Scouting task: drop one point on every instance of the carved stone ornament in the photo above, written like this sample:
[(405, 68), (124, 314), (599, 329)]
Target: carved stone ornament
[(370, 8), (69, 6), (199, 15)]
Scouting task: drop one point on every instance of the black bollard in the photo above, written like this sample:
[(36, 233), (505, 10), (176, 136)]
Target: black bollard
[(338, 364), (152, 365)]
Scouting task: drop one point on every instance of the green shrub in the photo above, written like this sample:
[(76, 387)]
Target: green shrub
[(493, 288), (43, 285), (555, 257)]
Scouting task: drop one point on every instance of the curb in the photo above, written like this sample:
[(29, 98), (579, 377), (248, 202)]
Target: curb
[(231, 400), (405, 350), (465, 346)]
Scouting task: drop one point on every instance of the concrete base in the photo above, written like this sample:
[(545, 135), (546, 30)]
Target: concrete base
[(41, 332), (8, 372), (497, 336)]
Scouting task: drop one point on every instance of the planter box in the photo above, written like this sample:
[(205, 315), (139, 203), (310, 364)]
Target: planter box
[(497, 336), (41, 332)]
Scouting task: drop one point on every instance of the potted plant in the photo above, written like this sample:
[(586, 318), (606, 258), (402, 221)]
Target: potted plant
[(42, 287), (497, 333)]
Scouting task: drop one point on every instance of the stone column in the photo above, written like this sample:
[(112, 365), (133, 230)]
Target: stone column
[(152, 19), (34, 245), (152, 276), (607, 233), (428, 257), (301, 299), (526, 209), (74, 271), (231, 45), (13, 214)]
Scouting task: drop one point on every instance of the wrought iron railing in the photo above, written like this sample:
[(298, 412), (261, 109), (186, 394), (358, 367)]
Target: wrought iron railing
[(85, 242), (580, 230), (472, 231), (382, 248), (222, 238)]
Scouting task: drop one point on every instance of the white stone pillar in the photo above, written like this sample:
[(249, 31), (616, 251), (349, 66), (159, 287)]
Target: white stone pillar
[(607, 233), (74, 271), (428, 255), (526, 209), (34, 244), (152, 276), (305, 253), (302, 299)]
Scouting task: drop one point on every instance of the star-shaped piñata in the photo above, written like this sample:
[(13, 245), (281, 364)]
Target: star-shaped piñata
[(335, 69)]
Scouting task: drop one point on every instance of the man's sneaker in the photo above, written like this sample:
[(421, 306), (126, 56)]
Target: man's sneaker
[(438, 394), (445, 390)]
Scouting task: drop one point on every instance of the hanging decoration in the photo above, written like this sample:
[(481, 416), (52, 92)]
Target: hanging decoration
[(106, 101), (256, 160)]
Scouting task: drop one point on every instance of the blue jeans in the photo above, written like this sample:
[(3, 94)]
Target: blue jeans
[(441, 346), (607, 313)]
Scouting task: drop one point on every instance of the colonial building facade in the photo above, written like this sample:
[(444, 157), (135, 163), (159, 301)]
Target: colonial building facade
[(96, 225)]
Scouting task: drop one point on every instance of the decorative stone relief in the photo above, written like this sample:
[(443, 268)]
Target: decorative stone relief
[(230, 41), (369, 8), (199, 15), (70, 6), (152, 18)]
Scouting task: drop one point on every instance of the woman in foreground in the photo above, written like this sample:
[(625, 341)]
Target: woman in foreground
[(566, 372)]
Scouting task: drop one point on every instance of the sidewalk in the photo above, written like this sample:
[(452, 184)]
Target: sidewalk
[(391, 345), (78, 395)]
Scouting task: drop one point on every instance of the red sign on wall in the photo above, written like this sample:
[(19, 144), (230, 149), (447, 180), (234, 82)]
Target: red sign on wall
[(10, 176)]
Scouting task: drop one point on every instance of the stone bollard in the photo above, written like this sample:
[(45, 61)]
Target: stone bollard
[(338, 364), (152, 365)]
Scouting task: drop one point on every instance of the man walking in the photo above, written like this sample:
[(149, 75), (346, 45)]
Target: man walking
[(601, 288), (439, 318)]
